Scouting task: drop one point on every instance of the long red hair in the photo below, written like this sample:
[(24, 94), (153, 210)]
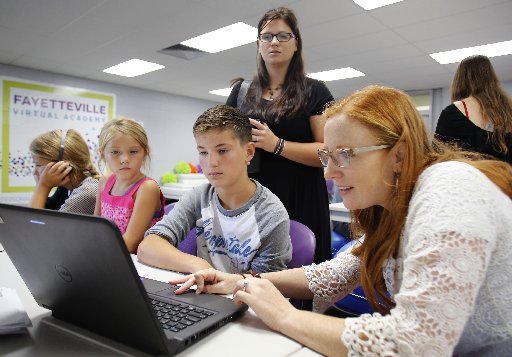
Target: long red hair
[(392, 118)]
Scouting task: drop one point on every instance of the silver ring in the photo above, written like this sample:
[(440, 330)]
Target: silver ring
[(245, 285), (255, 138)]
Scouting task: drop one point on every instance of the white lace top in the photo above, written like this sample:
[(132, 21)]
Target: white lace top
[(452, 280)]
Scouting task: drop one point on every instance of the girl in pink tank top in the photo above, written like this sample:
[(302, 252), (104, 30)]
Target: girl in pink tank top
[(127, 197)]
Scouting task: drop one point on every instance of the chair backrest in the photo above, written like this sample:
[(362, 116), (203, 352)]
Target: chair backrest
[(347, 246), (168, 208), (338, 241), (189, 244), (303, 245)]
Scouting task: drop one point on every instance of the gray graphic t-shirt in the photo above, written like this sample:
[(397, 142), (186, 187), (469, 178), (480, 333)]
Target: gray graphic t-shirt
[(255, 236)]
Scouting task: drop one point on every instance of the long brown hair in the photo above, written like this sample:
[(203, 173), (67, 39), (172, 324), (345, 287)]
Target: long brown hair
[(296, 87), (76, 152), (475, 77), (392, 117)]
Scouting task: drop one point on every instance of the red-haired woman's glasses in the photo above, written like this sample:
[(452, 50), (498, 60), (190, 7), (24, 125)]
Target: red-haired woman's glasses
[(342, 157)]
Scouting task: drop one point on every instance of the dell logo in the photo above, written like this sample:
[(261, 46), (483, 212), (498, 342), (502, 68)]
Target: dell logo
[(64, 273)]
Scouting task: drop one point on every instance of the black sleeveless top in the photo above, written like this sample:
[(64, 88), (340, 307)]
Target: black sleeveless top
[(454, 126)]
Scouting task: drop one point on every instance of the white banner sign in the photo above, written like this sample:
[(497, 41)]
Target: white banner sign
[(30, 109)]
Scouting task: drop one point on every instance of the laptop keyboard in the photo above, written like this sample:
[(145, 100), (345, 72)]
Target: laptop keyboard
[(176, 316)]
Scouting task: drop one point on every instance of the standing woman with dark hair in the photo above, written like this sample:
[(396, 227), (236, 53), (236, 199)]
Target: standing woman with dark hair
[(480, 118), (286, 108)]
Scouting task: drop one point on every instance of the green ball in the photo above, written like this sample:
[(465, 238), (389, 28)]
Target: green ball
[(169, 177), (182, 167)]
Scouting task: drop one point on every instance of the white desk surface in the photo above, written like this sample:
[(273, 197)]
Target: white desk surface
[(174, 193), (246, 336), (339, 212), (185, 183)]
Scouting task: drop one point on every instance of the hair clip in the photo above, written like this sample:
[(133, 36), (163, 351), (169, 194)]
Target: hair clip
[(61, 149)]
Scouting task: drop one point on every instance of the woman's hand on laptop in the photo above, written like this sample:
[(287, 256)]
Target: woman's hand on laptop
[(208, 281), (266, 301)]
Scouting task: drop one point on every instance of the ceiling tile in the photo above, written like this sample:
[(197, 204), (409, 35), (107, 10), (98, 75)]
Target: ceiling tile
[(391, 44)]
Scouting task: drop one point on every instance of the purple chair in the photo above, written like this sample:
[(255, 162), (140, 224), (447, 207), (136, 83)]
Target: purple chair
[(168, 208), (189, 244), (303, 245), (303, 252)]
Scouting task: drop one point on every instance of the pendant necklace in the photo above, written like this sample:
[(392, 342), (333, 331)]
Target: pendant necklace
[(271, 92)]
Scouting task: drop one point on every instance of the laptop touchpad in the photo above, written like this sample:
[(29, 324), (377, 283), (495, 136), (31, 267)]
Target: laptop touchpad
[(154, 286)]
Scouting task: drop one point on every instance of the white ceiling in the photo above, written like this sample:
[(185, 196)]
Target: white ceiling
[(390, 44)]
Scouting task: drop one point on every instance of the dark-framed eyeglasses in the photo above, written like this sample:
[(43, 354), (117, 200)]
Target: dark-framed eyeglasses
[(343, 157), (281, 36)]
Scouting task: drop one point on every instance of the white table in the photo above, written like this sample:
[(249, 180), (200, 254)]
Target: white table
[(174, 191), (247, 336), (185, 183), (339, 212)]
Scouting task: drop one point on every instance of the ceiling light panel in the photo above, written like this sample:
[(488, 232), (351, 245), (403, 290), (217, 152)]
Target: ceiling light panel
[(336, 74), (373, 4), (222, 92), (231, 36), (489, 50), (133, 68)]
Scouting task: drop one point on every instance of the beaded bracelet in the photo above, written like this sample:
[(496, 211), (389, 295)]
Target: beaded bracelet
[(282, 147), (279, 147)]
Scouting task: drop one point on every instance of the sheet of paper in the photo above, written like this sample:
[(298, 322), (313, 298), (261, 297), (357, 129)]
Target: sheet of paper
[(158, 274), (13, 316), (150, 272)]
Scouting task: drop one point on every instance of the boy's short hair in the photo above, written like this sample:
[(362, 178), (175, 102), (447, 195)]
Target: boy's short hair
[(222, 117)]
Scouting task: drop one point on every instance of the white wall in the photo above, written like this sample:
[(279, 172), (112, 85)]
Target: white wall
[(167, 118), (508, 87)]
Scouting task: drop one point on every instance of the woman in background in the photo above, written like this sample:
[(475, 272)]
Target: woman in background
[(480, 118), (288, 128), (63, 160)]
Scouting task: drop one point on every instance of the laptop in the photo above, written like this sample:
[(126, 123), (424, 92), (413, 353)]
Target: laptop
[(78, 267)]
